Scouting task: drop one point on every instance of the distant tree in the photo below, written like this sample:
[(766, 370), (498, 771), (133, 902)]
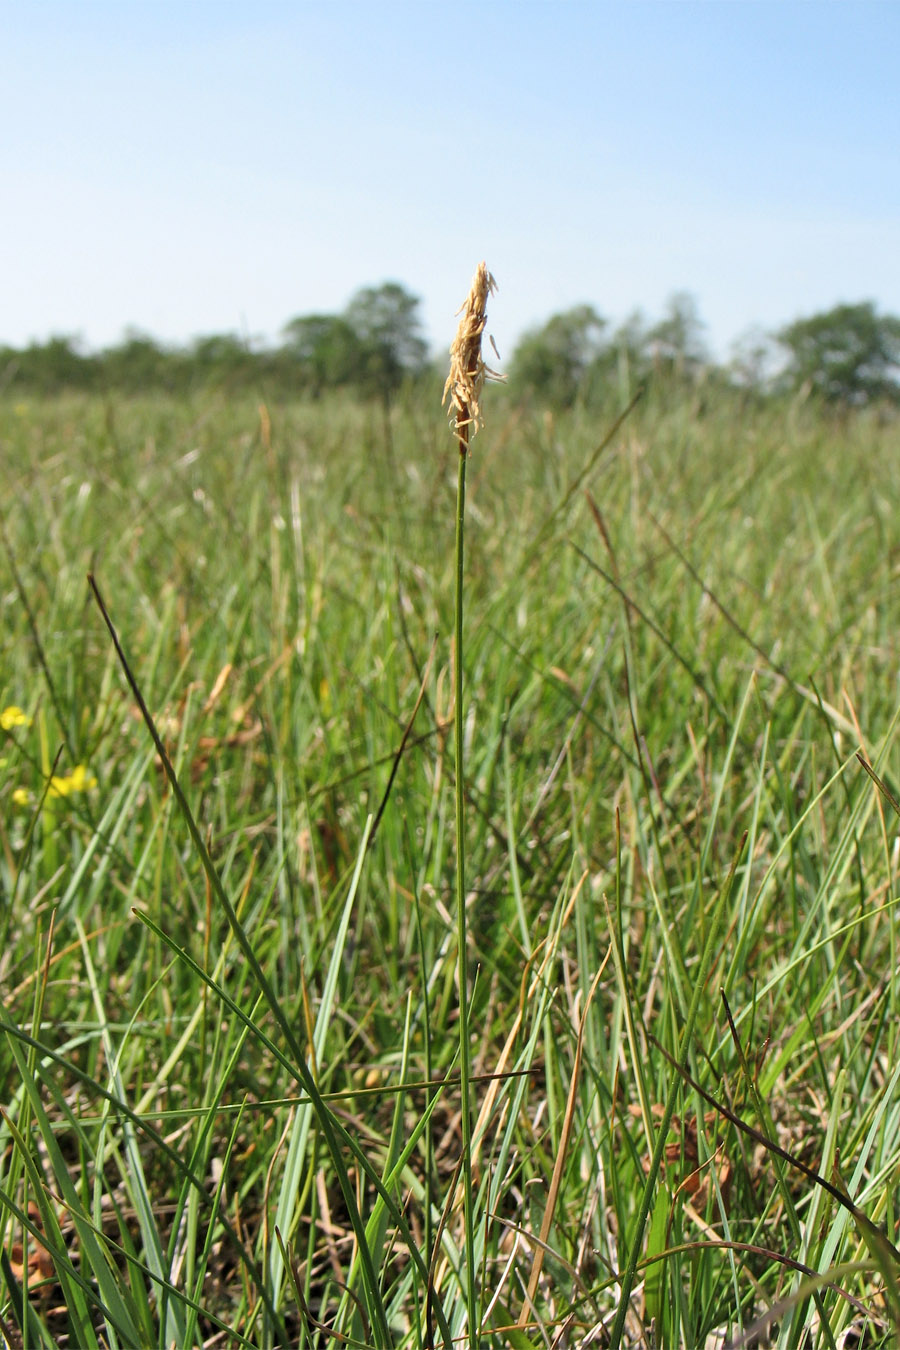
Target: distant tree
[(327, 351), (388, 326), (676, 342), (9, 367), (139, 362), (554, 360), (627, 357), (754, 361), (221, 357), (849, 354), (58, 363)]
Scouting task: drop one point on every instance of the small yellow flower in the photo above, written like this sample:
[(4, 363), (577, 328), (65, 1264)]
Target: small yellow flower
[(79, 780), (21, 796), (13, 717)]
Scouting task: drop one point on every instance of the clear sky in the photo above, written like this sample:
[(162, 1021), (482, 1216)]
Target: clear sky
[(222, 167)]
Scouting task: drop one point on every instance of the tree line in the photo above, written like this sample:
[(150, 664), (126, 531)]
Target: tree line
[(848, 355)]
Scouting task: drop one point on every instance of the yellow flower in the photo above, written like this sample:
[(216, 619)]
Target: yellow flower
[(21, 796), (79, 780), (13, 717)]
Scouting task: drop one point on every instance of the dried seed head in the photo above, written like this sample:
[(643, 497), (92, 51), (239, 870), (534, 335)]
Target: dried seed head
[(467, 369)]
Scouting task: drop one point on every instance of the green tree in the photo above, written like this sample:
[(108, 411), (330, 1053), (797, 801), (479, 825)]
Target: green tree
[(676, 342), (58, 363), (554, 361), (139, 362), (387, 324), (754, 361), (849, 354), (222, 358), (627, 361), (328, 351)]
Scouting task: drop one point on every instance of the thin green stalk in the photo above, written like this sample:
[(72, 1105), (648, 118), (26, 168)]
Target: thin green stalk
[(463, 388), (461, 926)]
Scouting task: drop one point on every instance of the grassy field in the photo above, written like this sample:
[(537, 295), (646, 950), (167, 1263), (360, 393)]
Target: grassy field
[(230, 1011)]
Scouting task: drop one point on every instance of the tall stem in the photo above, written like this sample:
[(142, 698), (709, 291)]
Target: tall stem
[(464, 383), (461, 924)]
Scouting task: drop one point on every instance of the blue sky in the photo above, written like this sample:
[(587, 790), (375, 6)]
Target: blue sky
[(222, 167)]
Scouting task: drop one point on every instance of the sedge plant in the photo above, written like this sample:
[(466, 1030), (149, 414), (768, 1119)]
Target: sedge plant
[(462, 390)]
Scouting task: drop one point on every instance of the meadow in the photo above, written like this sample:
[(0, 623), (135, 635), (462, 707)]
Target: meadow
[(230, 1052)]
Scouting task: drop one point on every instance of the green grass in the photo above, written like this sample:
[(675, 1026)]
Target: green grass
[(229, 1036)]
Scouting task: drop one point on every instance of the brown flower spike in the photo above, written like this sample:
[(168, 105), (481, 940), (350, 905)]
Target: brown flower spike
[(467, 369)]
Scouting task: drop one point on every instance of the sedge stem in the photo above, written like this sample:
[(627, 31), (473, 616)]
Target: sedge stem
[(461, 924)]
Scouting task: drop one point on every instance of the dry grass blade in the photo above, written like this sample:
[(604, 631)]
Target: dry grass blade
[(467, 369)]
